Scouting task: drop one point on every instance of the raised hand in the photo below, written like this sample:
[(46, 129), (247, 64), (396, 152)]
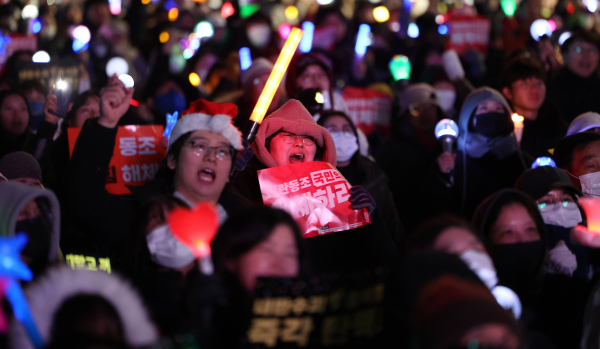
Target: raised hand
[(114, 102), (50, 107)]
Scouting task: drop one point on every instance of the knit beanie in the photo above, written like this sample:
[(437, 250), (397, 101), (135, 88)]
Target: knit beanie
[(20, 165), (416, 94), (209, 116), (260, 66), (292, 117)]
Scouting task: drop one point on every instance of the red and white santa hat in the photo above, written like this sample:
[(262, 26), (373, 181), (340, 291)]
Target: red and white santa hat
[(209, 116)]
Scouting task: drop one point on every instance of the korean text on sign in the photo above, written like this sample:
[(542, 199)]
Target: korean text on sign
[(136, 157)]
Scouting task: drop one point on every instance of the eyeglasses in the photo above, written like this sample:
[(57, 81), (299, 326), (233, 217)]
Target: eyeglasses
[(222, 153), (592, 51), (314, 78), (346, 131), (551, 205), (291, 139)]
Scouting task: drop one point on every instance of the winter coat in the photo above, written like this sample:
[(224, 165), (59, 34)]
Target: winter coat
[(573, 94), (543, 133), (104, 221)]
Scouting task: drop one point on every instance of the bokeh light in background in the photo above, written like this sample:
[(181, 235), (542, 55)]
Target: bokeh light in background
[(248, 10), (188, 53), (400, 67), (245, 58), (145, 2), (381, 14), (284, 30), (204, 30), (413, 31), (227, 10), (163, 37), (306, 43), (30, 11), (117, 65), (194, 79), (79, 46), (592, 5), (35, 26), (552, 25), (41, 57), (127, 80), (291, 12), (324, 2), (114, 6), (363, 40), (82, 33), (539, 28), (443, 29), (439, 19), (173, 14), (508, 7), (563, 37)]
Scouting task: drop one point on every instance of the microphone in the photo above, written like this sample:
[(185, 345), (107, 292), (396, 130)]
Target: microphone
[(446, 131)]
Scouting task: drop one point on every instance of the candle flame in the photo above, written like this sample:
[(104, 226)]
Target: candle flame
[(517, 118)]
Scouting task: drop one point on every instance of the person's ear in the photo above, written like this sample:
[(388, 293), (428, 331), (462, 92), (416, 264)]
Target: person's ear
[(507, 93), (171, 162)]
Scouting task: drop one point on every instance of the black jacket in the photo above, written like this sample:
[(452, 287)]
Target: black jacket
[(573, 94)]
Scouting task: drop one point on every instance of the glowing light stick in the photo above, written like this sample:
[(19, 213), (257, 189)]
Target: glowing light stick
[(362, 40), (446, 131), (400, 67), (127, 80), (306, 43), (245, 58), (543, 161), (171, 121), (11, 269), (196, 228), (539, 28), (591, 206)]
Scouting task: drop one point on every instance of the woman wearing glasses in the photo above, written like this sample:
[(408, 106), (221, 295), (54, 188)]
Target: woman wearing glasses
[(290, 136), (360, 170)]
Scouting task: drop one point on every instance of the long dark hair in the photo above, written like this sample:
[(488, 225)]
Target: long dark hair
[(4, 94), (422, 240), (79, 102)]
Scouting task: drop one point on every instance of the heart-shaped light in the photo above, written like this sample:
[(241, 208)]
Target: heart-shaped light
[(195, 228)]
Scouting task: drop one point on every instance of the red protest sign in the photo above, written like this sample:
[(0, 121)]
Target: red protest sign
[(468, 32), (315, 194), (136, 157), (369, 109)]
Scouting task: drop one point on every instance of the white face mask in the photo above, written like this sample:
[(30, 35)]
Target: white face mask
[(166, 250), (562, 217), (590, 183), (446, 99), (481, 264), (259, 35), (345, 146)]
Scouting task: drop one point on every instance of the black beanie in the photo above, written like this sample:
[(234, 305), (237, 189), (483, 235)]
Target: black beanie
[(20, 165)]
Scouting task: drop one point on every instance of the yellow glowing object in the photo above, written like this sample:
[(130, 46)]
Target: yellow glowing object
[(163, 37), (173, 14), (283, 61), (516, 118), (291, 12), (194, 79), (381, 14), (145, 2), (319, 98)]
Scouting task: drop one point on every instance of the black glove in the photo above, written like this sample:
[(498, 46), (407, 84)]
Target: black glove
[(243, 156), (360, 198)]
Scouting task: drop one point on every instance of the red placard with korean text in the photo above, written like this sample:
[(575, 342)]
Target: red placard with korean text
[(469, 32), (369, 109), (315, 194), (136, 157)]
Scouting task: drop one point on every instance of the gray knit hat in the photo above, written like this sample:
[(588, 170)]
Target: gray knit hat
[(259, 67), (20, 164)]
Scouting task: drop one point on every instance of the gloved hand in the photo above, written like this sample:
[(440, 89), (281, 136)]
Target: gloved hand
[(561, 260), (243, 156), (360, 198)]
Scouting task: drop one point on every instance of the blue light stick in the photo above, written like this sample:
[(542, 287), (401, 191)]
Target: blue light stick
[(543, 161), (12, 268), (362, 40), (307, 39), (171, 121), (245, 58)]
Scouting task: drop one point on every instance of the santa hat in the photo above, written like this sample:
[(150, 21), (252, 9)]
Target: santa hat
[(209, 116)]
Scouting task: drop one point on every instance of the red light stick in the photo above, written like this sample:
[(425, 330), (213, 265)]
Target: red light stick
[(196, 228)]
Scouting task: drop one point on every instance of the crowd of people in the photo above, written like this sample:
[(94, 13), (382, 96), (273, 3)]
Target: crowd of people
[(477, 237)]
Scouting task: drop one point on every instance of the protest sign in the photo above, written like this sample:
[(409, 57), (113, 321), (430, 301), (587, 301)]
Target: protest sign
[(136, 157), (327, 311), (15, 42), (315, 194), (48, 73), (324, 37), (468, 32), (369, 110)]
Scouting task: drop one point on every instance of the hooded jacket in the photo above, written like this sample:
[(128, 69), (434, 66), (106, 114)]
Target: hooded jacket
[(15, 196)]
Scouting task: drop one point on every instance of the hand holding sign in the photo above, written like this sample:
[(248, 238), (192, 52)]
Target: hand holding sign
[(114, 102), (196, 229), (589, 236)]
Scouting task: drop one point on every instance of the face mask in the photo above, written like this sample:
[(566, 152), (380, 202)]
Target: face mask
[(38, 243), (259, 35), (492, 124), (446, 99), (562, 217), (37, 114), (345, 146), (518, 264), (170, 102), (481, 264), (590, 183), (166, 250)]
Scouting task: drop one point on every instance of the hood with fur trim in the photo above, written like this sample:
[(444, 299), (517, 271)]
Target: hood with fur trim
[(46, 296), (294, 118), (14, 196)]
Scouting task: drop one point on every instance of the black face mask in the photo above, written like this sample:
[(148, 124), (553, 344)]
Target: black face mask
[(518, 264), (38, 234), (492, 124)]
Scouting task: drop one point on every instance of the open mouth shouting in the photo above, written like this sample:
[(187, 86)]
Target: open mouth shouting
[(207, 175), (296, 158)]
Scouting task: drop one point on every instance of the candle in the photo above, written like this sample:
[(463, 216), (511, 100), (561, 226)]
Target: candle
[(518, 121)]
